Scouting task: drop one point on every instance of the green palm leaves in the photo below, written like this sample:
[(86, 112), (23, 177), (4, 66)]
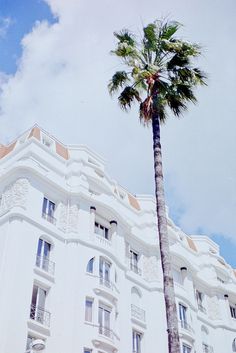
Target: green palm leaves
[(159, 72)]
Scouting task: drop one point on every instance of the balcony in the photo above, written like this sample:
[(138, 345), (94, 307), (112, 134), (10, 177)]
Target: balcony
[(186, 331), (135, 269), (107, 289), (207, 349), (45, 264), (49, 218), (106, 331), (138, 313), (105, 339), (185, 326), (106, 283), (40, 315)]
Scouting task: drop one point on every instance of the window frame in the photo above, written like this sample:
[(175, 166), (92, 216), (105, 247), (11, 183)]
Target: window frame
[(232, 311), (49, 209), (186, 348), (90, 265), (102, 230), (136, 344), (89, 309)]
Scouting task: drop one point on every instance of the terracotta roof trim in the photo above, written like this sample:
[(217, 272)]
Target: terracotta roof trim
[(191, 244)]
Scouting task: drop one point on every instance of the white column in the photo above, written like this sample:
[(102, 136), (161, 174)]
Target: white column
[(92, 218)]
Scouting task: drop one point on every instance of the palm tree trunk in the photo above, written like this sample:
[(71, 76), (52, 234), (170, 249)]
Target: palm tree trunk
[(168, 284)]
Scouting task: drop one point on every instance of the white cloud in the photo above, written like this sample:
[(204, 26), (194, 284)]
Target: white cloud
[(5, 23), (61, 83)]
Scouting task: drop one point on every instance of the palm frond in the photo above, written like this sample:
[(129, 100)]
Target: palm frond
[(184, 74), (150, 39), (125, 36), (168, 29), (118, 80), (200, 76), (190, 49), (176, 103), (125, 51), (186, 93), (161, 66), (128, 96), (178, 60)]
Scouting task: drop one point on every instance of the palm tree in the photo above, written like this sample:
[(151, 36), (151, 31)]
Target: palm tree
[(159, 74)]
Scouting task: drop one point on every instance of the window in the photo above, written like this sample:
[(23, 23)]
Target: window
[(43, 256), (104, 320), (101, 230), (234, 345), (90, 265), (200, 297), (186, 349), (177, 277), (37, 309), (47, 142), (86, 350), (89, 310), (48, 210), (137, 336), (183, 316), (104, 272), (233, 311), (134, 261)]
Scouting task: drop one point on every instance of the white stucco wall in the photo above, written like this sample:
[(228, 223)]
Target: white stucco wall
[(33, 171)]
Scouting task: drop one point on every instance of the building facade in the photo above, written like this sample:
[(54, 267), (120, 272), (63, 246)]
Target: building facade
[(80, 264)]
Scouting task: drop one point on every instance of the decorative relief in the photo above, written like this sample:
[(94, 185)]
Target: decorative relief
[(213, 308), (62, 218), (68, 218), (73, 217), (15, 195), (150, 268)]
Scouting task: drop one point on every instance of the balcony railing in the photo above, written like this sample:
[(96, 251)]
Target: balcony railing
[(49, 217), (40, 315), (135, 269), (106, 331), (137, 313), (45, 264), (185, 325), (106, 282), (201, 308), (207, 349)]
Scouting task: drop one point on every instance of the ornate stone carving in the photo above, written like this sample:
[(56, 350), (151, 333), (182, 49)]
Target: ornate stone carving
[(73, 218), (15, 195), (62, 219), (150, 268), (68, 218), (213, 308)]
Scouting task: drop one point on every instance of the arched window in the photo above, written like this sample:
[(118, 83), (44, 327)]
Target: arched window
[(90, 264), (234, 345)]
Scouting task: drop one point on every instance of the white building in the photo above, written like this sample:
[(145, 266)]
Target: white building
[(80, 264)]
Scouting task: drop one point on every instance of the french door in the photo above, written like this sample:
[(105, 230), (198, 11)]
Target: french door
[(104, 272), (104, 315)]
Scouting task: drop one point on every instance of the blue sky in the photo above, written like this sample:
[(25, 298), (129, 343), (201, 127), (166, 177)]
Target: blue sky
[(200, 195), (22, 15)]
